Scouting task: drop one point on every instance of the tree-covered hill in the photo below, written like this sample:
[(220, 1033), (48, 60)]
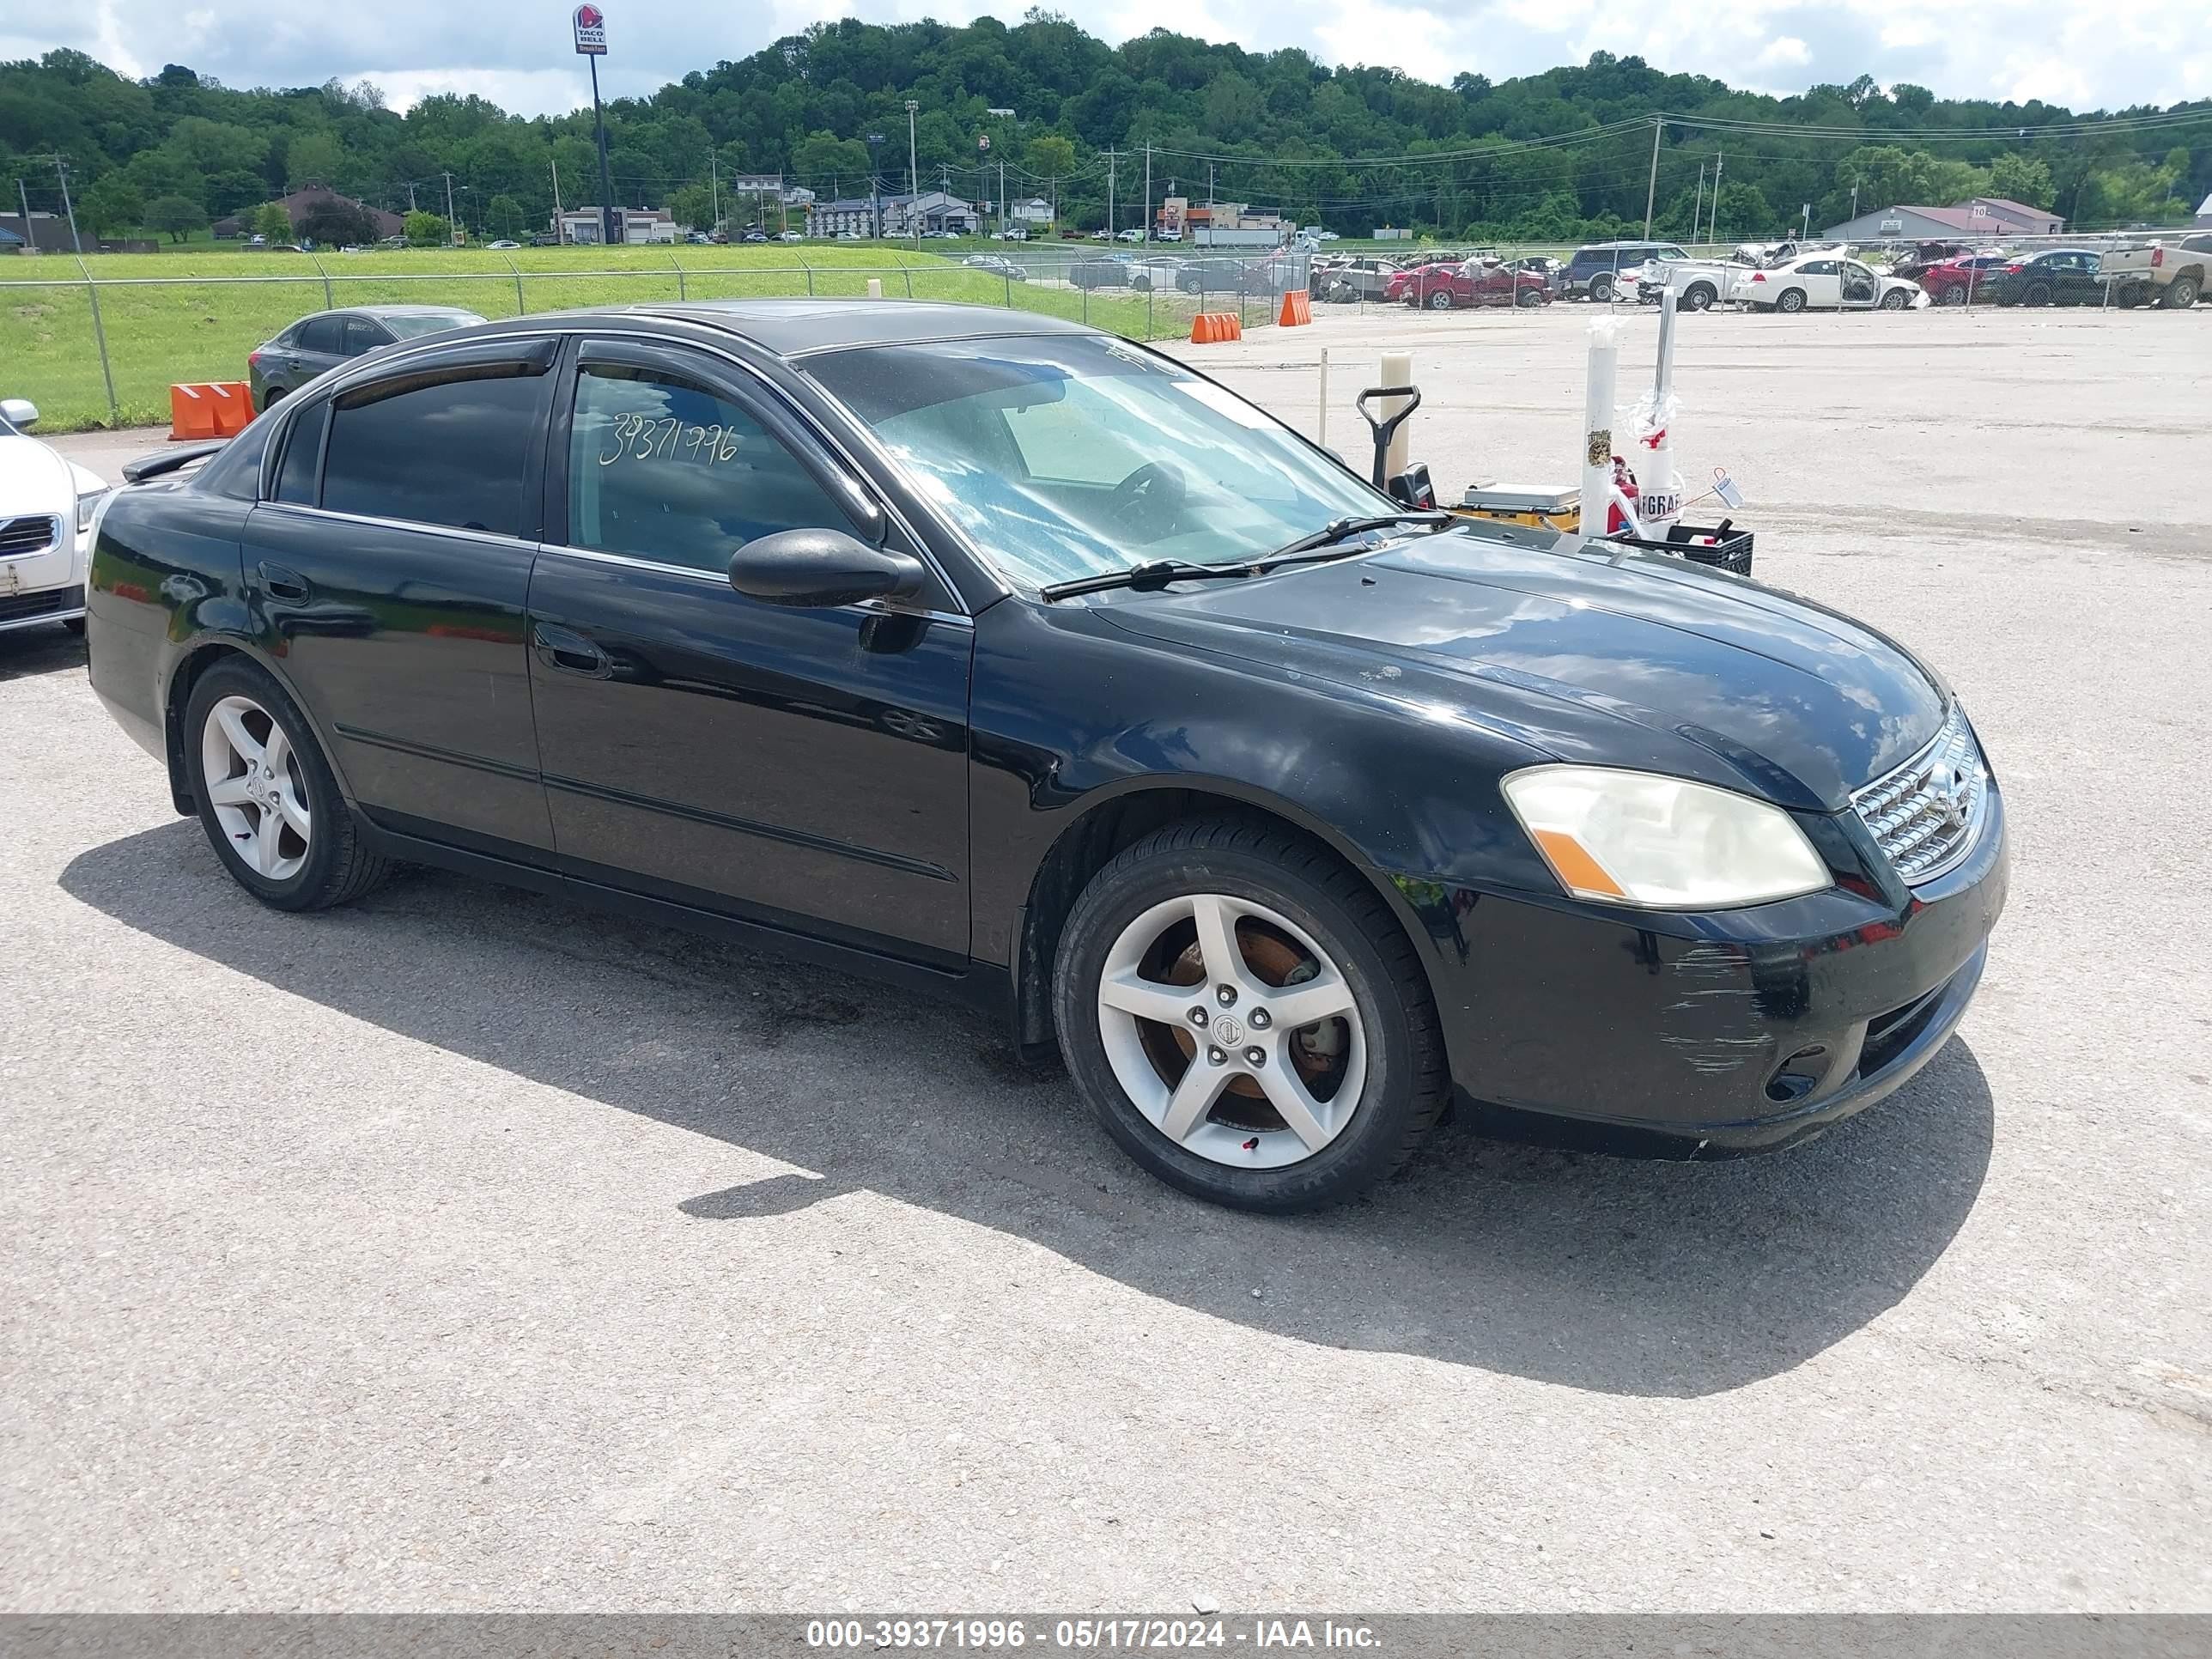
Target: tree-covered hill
[(1563, 153)]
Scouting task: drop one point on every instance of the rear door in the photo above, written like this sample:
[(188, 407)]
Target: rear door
[(1819, 278), (389, 575), (806, 767), (319, 344)]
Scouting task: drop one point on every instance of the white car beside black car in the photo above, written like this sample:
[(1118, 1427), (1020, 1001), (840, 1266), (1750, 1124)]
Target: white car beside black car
[(47, 505)]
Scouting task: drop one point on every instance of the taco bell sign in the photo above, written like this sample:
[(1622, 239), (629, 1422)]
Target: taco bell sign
[(591, 30)]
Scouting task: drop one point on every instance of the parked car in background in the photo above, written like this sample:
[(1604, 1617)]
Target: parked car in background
[(1131, 236), (2167, 274), (1952, 282), (1163, 274), (2055, 277), (47, 508), (326, 338), (999, 265), (1699, 284), (1108, 272), (1472, 282), (1921, 258), (1826, 281), (1593, 272), (754, 234), (503, 243), (1344, 281)]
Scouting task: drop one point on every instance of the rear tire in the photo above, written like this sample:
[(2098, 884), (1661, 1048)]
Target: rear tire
[(1527, 297), (1698, 296), (1387, 1044), (327, 864), (1953, 295), (1440, 300), (2181, 292), (1792, 300), (2038, 294)]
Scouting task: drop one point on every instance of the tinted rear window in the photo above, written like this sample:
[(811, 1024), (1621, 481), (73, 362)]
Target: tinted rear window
[(323, 334), (450, 451), (303, 448)]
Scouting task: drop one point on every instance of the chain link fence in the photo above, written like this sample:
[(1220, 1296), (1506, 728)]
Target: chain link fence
[(95, 350)]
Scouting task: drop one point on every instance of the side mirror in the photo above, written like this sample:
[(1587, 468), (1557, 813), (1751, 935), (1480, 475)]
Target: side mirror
[(821, 568), (1411, 488), (19, 412)]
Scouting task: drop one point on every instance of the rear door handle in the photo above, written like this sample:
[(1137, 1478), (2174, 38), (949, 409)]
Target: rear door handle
[(282, 583), (570, 652)]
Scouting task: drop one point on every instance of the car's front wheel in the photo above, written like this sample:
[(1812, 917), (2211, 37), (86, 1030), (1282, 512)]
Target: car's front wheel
[(267, 799), (1441, 300), (1896, 300), (1247, 1018), (1600, 288), (1953, 295)]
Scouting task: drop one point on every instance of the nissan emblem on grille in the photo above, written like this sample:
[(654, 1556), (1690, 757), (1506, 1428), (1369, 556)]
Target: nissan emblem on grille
[(1925, 814)]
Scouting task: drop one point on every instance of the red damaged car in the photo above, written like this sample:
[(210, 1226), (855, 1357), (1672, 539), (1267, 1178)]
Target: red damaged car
[(1472, 282), (1950, 282)]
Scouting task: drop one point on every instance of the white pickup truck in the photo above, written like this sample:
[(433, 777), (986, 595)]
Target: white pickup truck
[(2168, 273)]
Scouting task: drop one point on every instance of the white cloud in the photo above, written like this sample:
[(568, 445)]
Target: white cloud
[(2084, 53)]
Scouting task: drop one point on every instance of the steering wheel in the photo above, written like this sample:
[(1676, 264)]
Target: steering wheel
[(1146, 504)]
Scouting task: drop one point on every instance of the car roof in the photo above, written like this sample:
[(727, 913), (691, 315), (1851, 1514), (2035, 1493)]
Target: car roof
[(392, 311), (791, 328)]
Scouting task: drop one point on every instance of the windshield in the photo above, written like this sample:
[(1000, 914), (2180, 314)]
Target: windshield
[(407, 326), (1076, 455)]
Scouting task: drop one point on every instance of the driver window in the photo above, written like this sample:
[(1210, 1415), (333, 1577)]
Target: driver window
[(1071, 439), (662, 469), (1819, 268)]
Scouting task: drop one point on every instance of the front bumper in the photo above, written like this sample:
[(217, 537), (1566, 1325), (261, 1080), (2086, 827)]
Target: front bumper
[(1728, 1031)]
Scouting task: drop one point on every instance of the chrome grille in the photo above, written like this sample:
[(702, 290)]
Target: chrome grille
[(1927, 815), (33, 533)]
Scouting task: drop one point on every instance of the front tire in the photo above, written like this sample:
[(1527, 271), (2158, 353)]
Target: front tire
[(1600, 290), (2038, 294), (1247, 1018), (1441, 300), (1528, 298), (267, 797), (1896, 300), (1953, 295)]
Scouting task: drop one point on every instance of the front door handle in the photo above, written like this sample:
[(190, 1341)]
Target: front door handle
[(570, 652), (281, 582)]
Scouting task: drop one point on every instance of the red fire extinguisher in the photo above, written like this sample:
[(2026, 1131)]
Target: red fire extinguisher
[(1624, 484)]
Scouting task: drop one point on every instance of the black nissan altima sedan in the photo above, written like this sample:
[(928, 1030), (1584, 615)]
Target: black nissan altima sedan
[(992, 654)]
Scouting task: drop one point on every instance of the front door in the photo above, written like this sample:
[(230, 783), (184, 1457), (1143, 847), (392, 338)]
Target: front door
[(389, 575), (1859, 287), (803, 768)]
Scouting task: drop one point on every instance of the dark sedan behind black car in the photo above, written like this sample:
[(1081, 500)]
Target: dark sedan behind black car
[(989, 653), (324, 339), (2055, 277)]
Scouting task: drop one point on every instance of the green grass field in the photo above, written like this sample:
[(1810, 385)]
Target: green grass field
[(172, 317)]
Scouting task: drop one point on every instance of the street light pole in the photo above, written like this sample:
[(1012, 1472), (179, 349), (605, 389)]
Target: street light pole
[(913, 175)]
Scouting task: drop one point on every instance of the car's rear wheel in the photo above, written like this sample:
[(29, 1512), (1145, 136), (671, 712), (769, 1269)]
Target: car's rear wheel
[(1246, 1018), (1698, 296), (1896, 300), (1953, 295), (1792, 300), (2038, 294), (1527, 297), (1441, 300), (267, 799), (2181, 292)]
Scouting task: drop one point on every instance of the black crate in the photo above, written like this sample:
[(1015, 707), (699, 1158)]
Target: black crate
[(1721, 545)]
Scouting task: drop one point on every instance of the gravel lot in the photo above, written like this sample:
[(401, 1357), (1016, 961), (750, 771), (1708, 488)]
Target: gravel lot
[(463, 1250)]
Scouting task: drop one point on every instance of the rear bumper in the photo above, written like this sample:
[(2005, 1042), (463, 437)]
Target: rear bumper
[(1729, 1031)]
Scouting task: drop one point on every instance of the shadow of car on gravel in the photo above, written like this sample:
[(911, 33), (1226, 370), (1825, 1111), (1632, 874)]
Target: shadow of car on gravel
[(1626, 1276), (51, 649)]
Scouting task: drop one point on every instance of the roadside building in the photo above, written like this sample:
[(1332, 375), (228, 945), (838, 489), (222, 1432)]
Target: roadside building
[(1982, 219), (636, 227)]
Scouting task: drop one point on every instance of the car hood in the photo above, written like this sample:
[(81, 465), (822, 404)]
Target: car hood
[(1609, 658), (35, 479)]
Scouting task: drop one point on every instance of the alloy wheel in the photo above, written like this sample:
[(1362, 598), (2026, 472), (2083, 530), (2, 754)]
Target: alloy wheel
[(255, 788), (1231, 1030)]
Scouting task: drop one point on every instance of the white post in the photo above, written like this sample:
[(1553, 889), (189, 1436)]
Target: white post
[(1321, 425), (1397, 370), (875, 288), (1659, 489), (1597, 491)]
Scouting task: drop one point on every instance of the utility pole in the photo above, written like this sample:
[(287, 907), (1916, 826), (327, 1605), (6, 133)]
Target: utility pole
[(1109, 195), (1713, 234), (557, 201), (1855, 201), (29, 240), (1651, 185), (1148, 194), (913, 174), (875, 185), (1002, 197), (61, 169), (449, 199), (714, 192), (410, 196), (1209, 189), (1698, 212)]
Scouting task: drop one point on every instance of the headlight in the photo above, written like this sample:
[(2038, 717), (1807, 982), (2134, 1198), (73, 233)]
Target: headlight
[(1664, 843), (86, 506)]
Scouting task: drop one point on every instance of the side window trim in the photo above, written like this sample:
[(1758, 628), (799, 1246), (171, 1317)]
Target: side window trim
[(281, 451)]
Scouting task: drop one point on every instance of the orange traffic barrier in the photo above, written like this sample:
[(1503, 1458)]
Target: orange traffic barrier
[(210, 408), (191, 413), (234, 406), (1297, 307), (1211, 327)]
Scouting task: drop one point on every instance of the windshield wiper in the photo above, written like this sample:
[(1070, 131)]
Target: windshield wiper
[(1338, 530), (1145, 578), (1157, 574)]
